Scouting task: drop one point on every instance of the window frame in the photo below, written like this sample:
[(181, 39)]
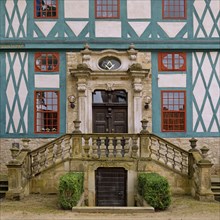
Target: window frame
[(57, 112), (177, 17), (47, 17), (102, 17), (38, 54), (163, 68), (173, 111)]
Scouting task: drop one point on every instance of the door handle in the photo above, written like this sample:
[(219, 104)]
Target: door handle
[(106, 129)]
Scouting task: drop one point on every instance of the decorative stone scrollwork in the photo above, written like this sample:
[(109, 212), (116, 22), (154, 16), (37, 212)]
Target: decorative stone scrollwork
[(81, 87), (138, 87), (109, 86), (135, 67)]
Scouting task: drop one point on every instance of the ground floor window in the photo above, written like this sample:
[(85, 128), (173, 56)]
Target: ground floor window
[(173, 111), (46, 111)]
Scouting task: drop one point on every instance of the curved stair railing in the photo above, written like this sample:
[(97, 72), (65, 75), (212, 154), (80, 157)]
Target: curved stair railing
[(168, 154), (27, 163)]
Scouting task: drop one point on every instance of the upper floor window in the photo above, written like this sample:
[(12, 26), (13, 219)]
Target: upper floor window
[(46, 111), (174, 9), (46, 62), (107, 8), (173, 111), (172, 61), (46, 8)]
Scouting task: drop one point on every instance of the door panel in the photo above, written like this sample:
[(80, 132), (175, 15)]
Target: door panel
[(111, 187), (99, 120), (119, 120)]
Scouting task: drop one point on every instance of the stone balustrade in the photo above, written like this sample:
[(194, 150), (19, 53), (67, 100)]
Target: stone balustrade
[(26, 164)]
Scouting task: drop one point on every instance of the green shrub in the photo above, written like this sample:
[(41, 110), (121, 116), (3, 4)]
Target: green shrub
[(155, 190), (70, 189)]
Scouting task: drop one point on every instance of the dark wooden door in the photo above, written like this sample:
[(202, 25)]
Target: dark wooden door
[(111, 186), (110, 111), (110, 119)]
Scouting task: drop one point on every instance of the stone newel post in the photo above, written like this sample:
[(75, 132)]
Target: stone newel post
[(200, 173), (204, 192), (18, 171)]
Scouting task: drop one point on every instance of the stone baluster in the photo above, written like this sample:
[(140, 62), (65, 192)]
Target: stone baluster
[(94, 148), (67, 148), (49, 160), (102, 147), (110, 147), (42, 161), (86, 147), (35, 163), (126, 147), (134, 147), (59, 151), (118, 147)]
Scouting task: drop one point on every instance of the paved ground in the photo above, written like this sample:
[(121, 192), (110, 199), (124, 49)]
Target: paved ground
[(37, 207)]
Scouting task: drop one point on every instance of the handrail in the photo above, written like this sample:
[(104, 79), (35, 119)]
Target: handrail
[(102, 145), (168, 154)]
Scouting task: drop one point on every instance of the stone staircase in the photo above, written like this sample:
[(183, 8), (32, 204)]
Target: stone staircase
[(216, 187), (3, 185)]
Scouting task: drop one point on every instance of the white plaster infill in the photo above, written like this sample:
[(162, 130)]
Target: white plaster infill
[(139, 9), (108, 29), (76, 26), (139, 27), (45, 26), (76, 9), (172, 80), (47, 81), (172, 28)]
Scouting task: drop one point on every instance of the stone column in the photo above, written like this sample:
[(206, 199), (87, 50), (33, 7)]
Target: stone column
[(137, 74), (82, 73)]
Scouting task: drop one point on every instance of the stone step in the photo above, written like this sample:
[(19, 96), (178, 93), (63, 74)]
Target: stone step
[(216, 188), (120, 210)]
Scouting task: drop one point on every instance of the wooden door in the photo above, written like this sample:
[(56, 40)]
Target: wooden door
[(110, 112), (109, 119), (111, 186)]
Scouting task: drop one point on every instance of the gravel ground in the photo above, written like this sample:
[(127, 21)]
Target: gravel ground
[(45, 207)]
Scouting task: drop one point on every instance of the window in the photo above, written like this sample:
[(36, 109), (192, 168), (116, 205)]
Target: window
[(46, 111), (172, 61), (107, 8), (109, 63), (46, 62), (174, 9), (173, 111), (46, 8)]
